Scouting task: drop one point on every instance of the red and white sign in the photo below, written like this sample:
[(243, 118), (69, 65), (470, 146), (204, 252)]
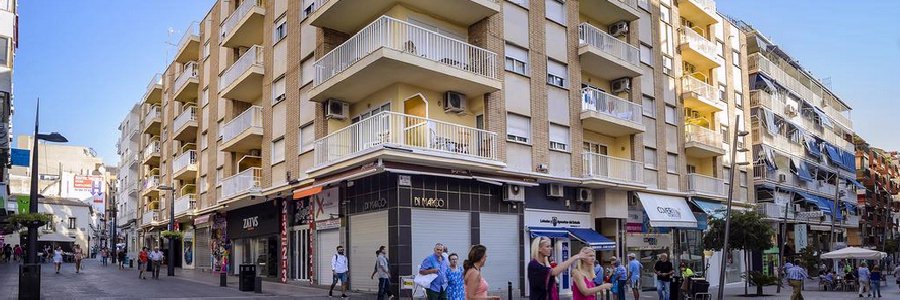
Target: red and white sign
[(284, 242)]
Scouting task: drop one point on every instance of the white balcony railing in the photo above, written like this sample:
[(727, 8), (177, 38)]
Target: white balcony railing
[(705, 184), (152, 113), (702, 89), (596, 100), (185, 203), (698, 42), (242, 10), (187, 115), (193, 31), (759, 63), (702, 135), (773, 211), (152, 149), (154, 83), (593, 36), (245, 181), (189, 72), (150, 217), (406, 131), (185, 160), (387, 32), (151, 182), (612, 168), (250, 118), (252, 58)]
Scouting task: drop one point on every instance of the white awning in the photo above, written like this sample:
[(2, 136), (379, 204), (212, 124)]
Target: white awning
[(667, 211)]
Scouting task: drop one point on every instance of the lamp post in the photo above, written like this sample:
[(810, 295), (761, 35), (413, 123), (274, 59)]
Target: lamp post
[(30, 272), (734, 150), (170, 271), (790, 202), (113, 213)]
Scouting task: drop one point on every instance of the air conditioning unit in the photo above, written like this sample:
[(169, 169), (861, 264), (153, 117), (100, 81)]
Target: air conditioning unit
[(790, 111), (555, 190), (454, 102), (618, 29), (335, 109), (585, 195), (621, 85), (280, 98), (514, 193), (782, 178)]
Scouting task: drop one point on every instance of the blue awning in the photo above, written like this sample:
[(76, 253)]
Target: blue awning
[(550, 232), (856, 183), (759, 81), (711, 208), (802, 170), (833, 154), (830, 203), (849, 161), (851, 207), (812, 147), (592, 238), (823, 117), (813, 199)]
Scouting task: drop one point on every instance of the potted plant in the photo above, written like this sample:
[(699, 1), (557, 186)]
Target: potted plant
[(172, 234), (29, 219)]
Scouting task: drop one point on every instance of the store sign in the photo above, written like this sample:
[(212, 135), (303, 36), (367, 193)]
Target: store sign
[(800, 237), (648, 241), (556, 221), (553, 218), (284, 242), (429, 202), (404, 180), (328, 224), (325, 204), (375, 204), (251, 223)]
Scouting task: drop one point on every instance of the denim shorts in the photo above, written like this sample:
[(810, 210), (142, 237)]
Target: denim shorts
[(340, 276)]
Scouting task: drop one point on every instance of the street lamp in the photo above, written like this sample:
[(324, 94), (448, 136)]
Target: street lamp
[(30, 272), (171, 265), (734, 141), (113, 213)]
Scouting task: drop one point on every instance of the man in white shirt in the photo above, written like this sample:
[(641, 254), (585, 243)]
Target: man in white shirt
[(156, 258), (339, 270)]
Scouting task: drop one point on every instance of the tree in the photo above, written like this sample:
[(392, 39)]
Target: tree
[(748, 232)]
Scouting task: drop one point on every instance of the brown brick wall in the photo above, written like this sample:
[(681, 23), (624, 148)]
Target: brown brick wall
[(292, 90), (538, 60), (326, 40), (488, 34)]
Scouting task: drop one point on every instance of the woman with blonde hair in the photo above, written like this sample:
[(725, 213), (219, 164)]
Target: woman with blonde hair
[(541, 277), (584, 275)]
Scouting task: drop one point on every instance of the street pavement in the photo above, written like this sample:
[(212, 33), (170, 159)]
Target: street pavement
[(98, 282)]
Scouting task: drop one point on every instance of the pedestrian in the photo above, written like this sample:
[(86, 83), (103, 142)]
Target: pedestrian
[(455, 287), (876, 281), (339, 271), (862, 277), (79, 255), (104, 256), (619, 278), (664, 271), (634, 275), (7, 253), (46, 252), (584, 275), (17, 253), (541, 276), (686, 273), (795, 275), (58, 258), (475, 285), (143, 260), (383, 270), (436, 264), (897, 274), (121, 258), (156, 258)]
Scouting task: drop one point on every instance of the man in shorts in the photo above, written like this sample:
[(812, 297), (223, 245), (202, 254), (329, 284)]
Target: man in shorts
[(634, 275)]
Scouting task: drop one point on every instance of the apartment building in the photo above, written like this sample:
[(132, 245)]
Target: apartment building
[(803, 148), (129, 183), (282, 129), (8, 44), (878, 171)]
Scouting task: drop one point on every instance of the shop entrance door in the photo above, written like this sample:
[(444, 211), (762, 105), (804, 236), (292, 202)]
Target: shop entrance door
[(300, 238)]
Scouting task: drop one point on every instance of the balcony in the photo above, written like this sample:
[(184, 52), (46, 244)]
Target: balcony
[(245, 182), (702, 142), (185, 166), (244, 132), (346, 15), (851, 221), (153, 94), (244, 27), (186, 125), (698, 50), (701, 12), (243, 81), (186, 89), (613, 171), (151, 186), (773, 211), (151, 153), (606, 56), (608, 114), (152, 120), (700, 96), (150, 218), (410, 138), (610, 11), (706, 186), (185, 204), (189, 46), (390, 51)]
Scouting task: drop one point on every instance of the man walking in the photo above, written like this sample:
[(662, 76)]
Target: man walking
[(634, 275), (795, 276), (156, 257), (664, 271), (436, 264), (339, 270)]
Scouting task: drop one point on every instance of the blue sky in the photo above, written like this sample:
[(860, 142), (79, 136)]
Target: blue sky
[(90, 61)]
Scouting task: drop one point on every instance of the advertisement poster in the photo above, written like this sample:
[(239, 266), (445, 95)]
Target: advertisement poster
[(24, 202), (325, 211)]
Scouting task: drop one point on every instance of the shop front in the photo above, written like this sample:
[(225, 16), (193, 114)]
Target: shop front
[(660, 224), (300, 258), (202, 256), (255, 237), (187, 248)]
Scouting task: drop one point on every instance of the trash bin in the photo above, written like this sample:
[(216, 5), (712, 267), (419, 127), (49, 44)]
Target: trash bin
[(30, 281), (247, 280)]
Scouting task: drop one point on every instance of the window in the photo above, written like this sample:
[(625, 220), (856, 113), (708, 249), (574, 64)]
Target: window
[(307, 71), (205, 51), (724, 130), (278, 150), (649, 106), (738, 100), (644, 4), (203, 141), (278, 90), (650, 158), (559, 137), (691, 169), (743, 178), (672, 163), (522, 3), (219, 130), (664, 14), (307, 137), (202, 184), (595, 148), (518, 128), (479, 122), (369, 113), (280, 31), (723, 95), (204, 97), (309, 9), (219, 174), (667, 65), (726, 175), (736, 58), (670, 114), (720, 49), (72, 224), (516, 59), (557, 73), (647, 54), (556, 11)]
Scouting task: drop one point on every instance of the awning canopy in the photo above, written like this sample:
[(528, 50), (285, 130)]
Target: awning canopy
[(550, 232), (812, 146), (823, 117), (856, 183), (801, 169), (814, 200), (759, 81), (592, 238), (307, 191), (667, 211), (56, 237), (854, 252), (851, 207), (834, 155), (713, 209)]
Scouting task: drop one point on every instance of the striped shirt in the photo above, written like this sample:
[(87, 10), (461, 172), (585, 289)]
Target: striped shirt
[(796, 273)]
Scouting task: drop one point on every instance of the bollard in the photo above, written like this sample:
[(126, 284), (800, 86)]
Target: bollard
[(258, 287), (509, 290), (222, 279), (131, 263)]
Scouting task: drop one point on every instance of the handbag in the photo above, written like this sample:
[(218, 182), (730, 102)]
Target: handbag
[(552, 289), (425, 280)]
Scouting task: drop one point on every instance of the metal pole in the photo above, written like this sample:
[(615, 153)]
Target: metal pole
[(728, 211), (171, 264), (114, 211), (33, 195), (834, 207), (783, 242)]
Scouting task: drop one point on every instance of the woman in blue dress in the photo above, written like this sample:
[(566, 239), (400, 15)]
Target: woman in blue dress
[(455, 288)]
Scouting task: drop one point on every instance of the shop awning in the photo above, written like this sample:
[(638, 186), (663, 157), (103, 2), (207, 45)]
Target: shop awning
[(550, 232), (307, 191), (592, 238), (713, 209), (856, 183), (667, 211)]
